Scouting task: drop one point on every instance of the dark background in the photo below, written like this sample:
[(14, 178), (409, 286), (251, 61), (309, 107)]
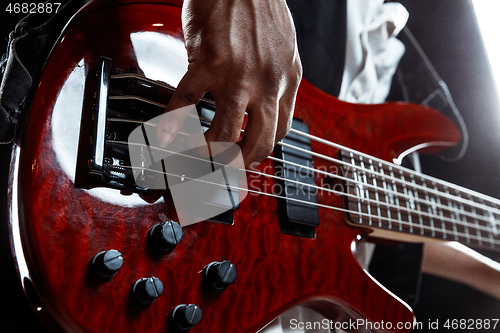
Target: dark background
[(448, 33)]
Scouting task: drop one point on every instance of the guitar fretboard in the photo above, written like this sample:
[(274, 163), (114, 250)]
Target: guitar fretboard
[(385, 196)]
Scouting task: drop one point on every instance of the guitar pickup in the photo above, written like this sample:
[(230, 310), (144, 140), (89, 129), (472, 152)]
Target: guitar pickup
[(299, 216)]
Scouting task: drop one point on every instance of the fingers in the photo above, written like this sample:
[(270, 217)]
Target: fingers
[(188, 93), (287, 102), (260, 133), (285, 117), (228, 120), (269, 121)]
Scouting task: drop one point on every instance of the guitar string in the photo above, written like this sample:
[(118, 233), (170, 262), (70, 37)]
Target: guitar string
[(377, 189), (370, 158), (457, 234), (385, 204), (401, 181), (447, 208), (350, 181), (390, 166), (412, 173)]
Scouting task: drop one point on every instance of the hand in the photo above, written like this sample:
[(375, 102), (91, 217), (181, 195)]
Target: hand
[(244, 52)]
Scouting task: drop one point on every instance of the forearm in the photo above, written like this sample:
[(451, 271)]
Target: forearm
[(454, 261)]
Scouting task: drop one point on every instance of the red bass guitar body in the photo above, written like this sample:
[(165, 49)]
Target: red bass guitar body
[(59, 227)]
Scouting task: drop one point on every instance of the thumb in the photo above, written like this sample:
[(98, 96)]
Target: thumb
[(186, 96)]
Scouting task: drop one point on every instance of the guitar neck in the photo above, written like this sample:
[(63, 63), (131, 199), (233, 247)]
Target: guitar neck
[(385, 196)]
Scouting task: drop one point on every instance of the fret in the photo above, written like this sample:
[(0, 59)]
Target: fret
[(419, 210), (391, 190), (431, 208), (388, 196), (476, 222), (493, 226), (367, 193), (493, 223), (434, 205), (407, 200), (357, 185), (452, 213), (488, 219), (396, 197), (411, 198), (440, 210), (377, 198), (463, 218)]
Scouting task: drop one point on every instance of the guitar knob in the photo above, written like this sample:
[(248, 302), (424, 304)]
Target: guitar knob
[(185, 316), (147, 290), (219, 275), (164, 237), (107, 263)]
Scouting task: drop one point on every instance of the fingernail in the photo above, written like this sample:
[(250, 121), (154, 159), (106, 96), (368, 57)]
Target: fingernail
[(164, 139)]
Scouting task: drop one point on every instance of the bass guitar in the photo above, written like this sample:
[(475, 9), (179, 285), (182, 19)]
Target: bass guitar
[(98, 252)]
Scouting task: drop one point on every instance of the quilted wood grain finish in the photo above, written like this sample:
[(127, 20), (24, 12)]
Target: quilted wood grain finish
[(64, 226)]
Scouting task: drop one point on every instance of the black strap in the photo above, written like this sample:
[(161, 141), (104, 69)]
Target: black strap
[(28, 48)]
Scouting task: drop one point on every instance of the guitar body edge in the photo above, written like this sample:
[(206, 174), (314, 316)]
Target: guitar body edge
[(61, 226)]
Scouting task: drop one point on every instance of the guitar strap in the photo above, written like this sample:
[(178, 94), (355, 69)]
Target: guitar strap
[(419, 82), (29, 46)]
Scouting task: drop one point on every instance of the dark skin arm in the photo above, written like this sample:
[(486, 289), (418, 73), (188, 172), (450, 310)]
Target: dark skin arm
[(456, 262), (244, 52)]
